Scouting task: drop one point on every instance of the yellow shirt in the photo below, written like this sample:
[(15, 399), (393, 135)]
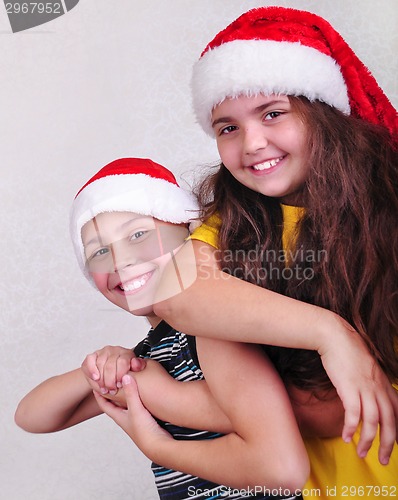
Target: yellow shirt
[(336, 469)]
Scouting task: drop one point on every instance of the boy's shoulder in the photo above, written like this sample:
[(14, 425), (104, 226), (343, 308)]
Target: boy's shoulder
[(166, 339)]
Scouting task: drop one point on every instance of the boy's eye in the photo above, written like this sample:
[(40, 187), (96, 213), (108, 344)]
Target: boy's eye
[(138, 235), (99, 253)]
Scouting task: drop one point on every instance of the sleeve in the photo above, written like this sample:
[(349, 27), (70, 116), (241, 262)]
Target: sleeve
[(208, 231)]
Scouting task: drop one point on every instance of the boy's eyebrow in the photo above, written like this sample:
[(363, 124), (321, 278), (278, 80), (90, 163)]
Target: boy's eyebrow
[(133, 219), (258, 109), (98, 239)]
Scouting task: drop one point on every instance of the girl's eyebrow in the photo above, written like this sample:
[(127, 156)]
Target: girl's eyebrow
[(224, 119), (266, 105), (258, 109)]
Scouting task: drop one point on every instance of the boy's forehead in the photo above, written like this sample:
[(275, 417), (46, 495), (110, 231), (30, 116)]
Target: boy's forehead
[(113, 219), (105, 222), (117, 216)]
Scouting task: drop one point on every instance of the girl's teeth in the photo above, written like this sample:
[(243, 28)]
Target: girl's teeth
[(267, 164)]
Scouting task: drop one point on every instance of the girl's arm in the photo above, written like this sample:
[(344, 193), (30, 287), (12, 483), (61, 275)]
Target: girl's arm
[(57, 403), (265, 448), (221, 306)]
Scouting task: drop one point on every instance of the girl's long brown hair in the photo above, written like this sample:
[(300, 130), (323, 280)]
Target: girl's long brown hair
[(346, 250)]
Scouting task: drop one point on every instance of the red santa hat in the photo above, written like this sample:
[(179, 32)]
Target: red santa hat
[(278, 50), (130, 185)]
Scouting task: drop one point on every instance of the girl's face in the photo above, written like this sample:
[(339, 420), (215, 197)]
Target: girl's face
[(126, 254), (262, 142)]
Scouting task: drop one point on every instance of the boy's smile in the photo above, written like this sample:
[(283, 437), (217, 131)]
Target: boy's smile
[(126, 254), (133, 285)]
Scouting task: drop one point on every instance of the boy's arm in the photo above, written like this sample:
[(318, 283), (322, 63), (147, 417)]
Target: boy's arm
[(57, 403), (265, 448), (186, 404), (192, 405)]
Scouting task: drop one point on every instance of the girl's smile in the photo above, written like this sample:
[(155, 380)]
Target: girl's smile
[(267, 165), (261, 141)]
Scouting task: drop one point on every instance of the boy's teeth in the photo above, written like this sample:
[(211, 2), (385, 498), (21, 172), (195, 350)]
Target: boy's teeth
[(132, 286), (267, 164)]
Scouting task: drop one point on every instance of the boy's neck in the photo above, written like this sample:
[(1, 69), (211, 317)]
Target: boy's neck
[(153, 320)]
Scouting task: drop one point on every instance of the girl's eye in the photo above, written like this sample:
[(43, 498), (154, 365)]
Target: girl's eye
[(272, 114), (227, 130)]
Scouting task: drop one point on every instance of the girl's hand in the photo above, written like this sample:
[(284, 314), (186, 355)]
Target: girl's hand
[(107, 366), (136, 420), (366, 393)]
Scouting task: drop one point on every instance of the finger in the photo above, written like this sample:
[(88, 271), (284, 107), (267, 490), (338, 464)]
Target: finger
[(109, 373), (370, 424), (142, 417), (130, 387), (352, 415), (108, 407), (122, 367), (137, 364), (89, 366), (388, 426), (394, 401), (139, 424), (134, 406), (101, 361)]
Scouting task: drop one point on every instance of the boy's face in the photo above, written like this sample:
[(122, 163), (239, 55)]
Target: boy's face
[(126, 254)]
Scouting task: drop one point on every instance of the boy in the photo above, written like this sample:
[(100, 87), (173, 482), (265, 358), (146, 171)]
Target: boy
[(127, 223)]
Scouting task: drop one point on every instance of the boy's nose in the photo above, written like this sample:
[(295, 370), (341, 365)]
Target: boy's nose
[(255, 139), (123, 255)]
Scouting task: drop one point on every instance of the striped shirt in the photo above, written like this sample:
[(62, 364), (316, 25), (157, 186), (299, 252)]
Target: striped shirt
[(176, 352)]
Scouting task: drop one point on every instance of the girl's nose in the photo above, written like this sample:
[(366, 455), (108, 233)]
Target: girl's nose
[(255, 139)]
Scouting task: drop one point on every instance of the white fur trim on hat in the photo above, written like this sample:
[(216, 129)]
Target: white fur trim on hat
[(138, 193), (252, 67)]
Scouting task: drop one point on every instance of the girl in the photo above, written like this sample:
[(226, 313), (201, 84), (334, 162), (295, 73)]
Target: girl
[(305, 203)]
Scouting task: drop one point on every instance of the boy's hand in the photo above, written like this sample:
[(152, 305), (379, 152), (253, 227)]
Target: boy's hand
[(107, 366), (136, 420)]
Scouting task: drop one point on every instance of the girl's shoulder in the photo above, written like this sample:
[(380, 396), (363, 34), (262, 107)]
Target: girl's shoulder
[(208, 231)]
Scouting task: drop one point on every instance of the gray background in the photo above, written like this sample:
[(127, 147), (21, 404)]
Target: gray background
[(107, 79)]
